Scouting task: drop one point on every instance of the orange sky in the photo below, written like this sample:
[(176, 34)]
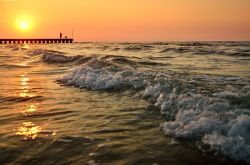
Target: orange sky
[(128, 20)]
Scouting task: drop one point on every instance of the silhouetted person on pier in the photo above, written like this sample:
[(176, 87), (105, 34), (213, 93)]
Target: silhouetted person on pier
[(60, 35)]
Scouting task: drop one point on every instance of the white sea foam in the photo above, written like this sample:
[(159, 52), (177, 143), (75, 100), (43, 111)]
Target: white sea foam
[(235, 142), (93, 76), (212, 118)]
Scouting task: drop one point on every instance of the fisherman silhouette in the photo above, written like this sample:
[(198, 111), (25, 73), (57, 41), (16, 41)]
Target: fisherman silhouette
[(60, 35)]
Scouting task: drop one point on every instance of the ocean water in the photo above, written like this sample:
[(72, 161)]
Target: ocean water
[(125, 103)]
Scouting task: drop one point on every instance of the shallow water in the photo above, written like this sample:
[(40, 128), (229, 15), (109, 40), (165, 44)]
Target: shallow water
[(125, 103)]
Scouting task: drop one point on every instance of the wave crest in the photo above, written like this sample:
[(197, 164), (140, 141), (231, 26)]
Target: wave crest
[(59, 58), (195, 107)]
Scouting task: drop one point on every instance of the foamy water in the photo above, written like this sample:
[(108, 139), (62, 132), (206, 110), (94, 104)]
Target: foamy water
[(126, 103)]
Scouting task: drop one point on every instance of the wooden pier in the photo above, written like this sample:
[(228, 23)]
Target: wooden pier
[(36, 41)]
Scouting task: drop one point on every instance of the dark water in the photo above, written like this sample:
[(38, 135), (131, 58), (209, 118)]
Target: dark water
[(125, 103)]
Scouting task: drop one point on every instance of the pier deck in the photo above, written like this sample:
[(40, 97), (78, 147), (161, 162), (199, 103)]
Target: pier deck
[(36, 41)]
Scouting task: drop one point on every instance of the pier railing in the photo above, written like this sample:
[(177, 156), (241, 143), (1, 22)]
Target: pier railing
[(35, 41)]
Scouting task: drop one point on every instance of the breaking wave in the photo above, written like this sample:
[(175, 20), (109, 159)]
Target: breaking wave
[(58, 58), (200, 108), (214, 111)]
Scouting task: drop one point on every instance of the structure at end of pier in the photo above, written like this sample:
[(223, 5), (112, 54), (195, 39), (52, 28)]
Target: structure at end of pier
[(35, 41)]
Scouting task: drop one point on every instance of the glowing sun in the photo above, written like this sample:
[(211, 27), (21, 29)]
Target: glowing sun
[(24, 25)]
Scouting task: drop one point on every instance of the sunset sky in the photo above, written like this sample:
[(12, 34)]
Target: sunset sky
[(126, 20)]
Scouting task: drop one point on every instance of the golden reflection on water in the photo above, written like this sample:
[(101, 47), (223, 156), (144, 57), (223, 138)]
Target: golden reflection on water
[(24, 80), (25, 89), (30, 108), (25, 46), (29, 130), (23, 63)]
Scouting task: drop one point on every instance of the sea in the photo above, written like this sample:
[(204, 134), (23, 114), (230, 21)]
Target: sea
[(124, 103)]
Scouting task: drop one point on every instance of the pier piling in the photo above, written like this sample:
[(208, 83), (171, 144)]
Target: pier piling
[(35, 41)]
